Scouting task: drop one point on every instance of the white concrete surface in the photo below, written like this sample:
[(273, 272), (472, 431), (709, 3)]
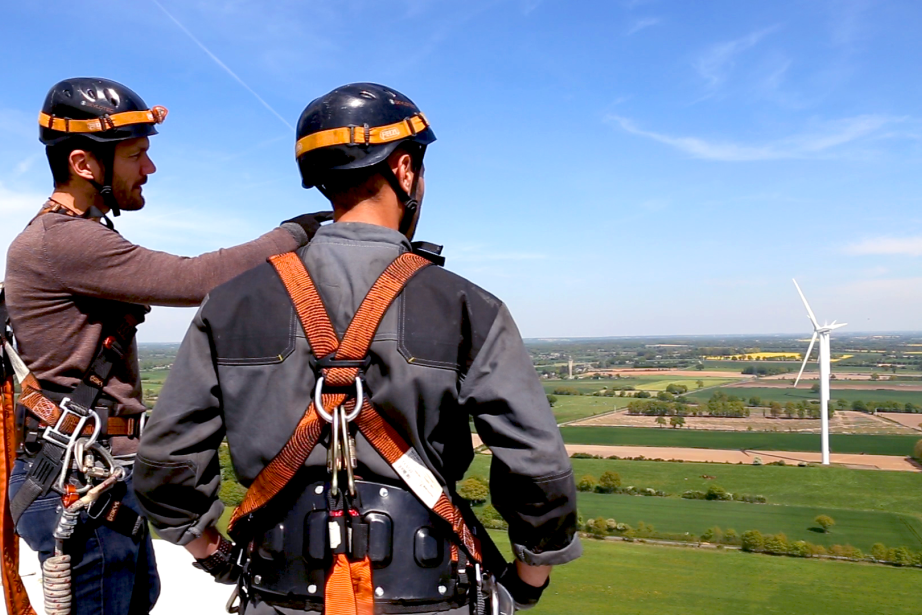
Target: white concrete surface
[(184, 588)]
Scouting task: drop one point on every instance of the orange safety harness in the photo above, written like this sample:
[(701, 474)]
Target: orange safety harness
[(348, 588), (15, 597)]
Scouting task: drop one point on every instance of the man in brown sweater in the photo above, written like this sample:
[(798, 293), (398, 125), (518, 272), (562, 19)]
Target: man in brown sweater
[(70, 281)]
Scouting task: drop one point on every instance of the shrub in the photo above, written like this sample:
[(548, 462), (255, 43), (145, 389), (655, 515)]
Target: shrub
[(474, 489), (917, 450), (491, 518), (609, 482), (551, 400), (587, 483), (566, 391), (800, 548), (693, 494), (611, 525), (825, 522), (776, 544), (753, 541), (716, 492), (901, 556), (731, 537), (756, 461), (879, 552), (597, 526), (584, 456), (712, 534)]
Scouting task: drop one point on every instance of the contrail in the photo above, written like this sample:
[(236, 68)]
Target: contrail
[(224, 66)]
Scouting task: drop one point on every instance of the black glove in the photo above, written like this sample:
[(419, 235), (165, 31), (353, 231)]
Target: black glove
[(308, 223), (222, 564), (524, 595)]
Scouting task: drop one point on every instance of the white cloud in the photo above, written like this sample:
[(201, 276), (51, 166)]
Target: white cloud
[(716, 63), (642, 24), (901, 246), (818, 141)]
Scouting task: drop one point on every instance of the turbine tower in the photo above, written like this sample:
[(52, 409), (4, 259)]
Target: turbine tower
[(823, 334)]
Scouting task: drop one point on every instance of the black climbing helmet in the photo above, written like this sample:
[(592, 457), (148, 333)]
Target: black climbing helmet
[(97, 109), (356, 126)]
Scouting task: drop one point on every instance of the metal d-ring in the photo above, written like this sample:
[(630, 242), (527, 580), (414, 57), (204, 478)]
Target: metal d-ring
[(359, 400), (326, 416), (318, 404)]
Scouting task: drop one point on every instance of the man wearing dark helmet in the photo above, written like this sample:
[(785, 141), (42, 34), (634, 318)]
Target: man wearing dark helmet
[(344, 376), (75, 290)]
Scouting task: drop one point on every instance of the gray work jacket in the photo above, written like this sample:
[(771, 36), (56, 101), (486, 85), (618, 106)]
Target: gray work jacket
[(445, 351)]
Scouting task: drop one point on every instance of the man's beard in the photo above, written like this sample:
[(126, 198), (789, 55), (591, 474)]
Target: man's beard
[(127, 198)]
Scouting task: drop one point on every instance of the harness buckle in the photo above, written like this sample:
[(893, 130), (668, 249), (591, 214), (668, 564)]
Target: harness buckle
[(67, 441)]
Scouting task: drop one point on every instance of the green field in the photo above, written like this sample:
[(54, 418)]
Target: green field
[(674, 515), (575, 407), (773, 441), (615, 578), (831, 487), (784, 395)]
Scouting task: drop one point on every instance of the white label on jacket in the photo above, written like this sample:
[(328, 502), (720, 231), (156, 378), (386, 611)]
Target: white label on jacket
[(418, 477)]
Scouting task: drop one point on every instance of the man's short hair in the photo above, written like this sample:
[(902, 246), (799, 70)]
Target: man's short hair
[(59, 156)]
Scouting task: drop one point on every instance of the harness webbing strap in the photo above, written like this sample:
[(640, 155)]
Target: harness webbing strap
[(348, 589), (49, 413), (15, 596)]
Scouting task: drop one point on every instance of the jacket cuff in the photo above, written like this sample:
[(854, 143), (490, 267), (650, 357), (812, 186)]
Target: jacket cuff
[(549, 558), (184, 534), (298, 232)]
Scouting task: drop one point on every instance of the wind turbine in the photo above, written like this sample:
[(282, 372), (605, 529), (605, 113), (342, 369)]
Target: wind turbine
[(823, 334)]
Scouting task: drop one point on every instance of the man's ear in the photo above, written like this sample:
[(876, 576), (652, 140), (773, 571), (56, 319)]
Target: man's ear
[(403, 170), (84, 165)]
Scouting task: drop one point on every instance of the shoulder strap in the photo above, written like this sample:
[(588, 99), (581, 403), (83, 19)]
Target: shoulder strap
[(324, 343)]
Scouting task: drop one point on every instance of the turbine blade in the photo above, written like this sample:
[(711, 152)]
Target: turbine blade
[(806, 357), (806, 305), (837, 326)]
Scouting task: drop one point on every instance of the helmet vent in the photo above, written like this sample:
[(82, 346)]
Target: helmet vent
[(90, 94), (112, 95), (367, 94)]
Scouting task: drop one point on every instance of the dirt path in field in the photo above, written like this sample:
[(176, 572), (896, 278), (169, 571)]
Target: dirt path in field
[(667, 373), (838, 384), (844, 422), (912, 421), (858, 462)]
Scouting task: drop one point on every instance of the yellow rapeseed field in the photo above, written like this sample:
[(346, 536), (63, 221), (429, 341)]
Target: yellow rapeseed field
[(758, 355)]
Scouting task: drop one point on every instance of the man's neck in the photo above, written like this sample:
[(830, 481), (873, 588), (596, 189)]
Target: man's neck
[(370, 211), (76, 201)]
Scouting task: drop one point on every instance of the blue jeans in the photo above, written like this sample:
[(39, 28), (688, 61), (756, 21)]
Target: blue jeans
[(112, 574)]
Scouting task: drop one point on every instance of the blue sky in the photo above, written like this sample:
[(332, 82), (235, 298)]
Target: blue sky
[(606, 168)]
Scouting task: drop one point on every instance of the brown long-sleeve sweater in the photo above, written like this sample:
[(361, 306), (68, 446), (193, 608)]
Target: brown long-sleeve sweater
[(64, 276)]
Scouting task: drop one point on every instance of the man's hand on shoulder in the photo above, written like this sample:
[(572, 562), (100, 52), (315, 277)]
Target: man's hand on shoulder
[(305, 226)]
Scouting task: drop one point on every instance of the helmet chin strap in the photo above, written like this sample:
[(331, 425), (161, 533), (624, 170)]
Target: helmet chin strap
[(411, 206), (105, 189)]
